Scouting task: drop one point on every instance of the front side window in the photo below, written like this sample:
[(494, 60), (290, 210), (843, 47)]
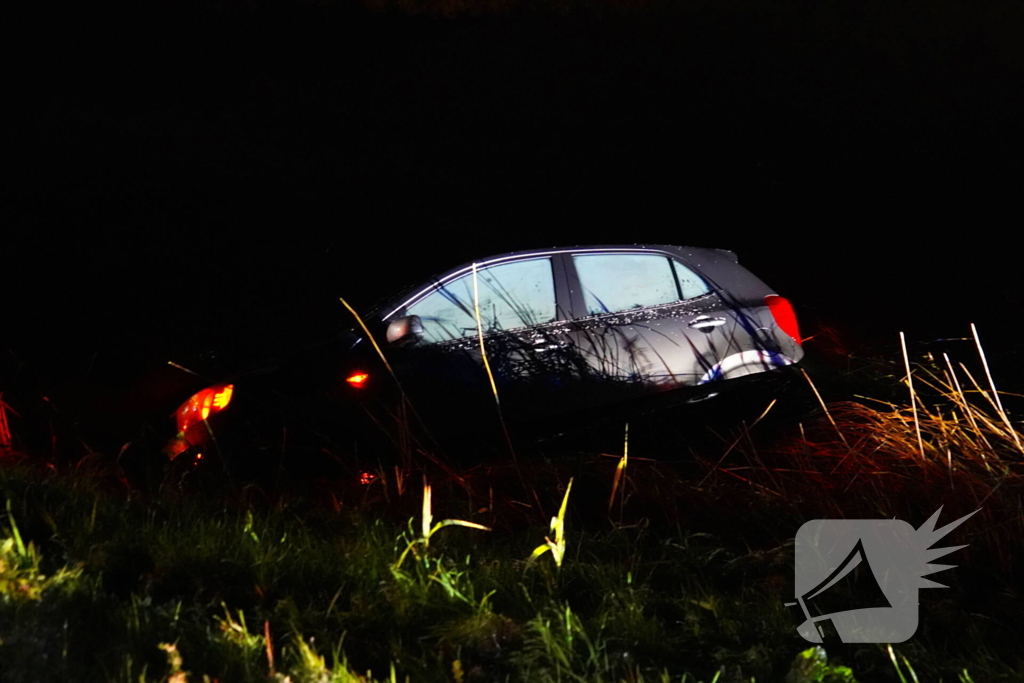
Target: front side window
[(621, 282), (511, 296)]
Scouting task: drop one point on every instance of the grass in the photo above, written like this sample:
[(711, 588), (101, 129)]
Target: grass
[(665, 570)]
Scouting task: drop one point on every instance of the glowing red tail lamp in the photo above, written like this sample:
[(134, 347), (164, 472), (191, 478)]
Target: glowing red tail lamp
[(784, 315), (207, 402), (358, 379)]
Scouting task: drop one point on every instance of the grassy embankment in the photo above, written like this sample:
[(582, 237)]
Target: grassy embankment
[(657, 571)]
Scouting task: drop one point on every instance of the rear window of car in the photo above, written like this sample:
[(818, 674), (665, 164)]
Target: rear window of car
[(511, 296), (621, 282)]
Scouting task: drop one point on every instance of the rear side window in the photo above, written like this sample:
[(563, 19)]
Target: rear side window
[(620, 282), (690, 284), (512, 295)]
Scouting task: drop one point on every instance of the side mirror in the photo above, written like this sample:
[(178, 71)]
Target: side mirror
[(405, 330)]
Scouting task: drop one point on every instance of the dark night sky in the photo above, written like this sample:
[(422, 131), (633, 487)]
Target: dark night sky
[(217, 174)]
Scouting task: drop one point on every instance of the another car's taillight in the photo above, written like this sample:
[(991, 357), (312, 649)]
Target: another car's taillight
[(784, 315), (207, 402), (357, 379)]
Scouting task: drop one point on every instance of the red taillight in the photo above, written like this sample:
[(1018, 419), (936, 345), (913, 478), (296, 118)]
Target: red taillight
[(784, 315), (207, 402), (357, 379)]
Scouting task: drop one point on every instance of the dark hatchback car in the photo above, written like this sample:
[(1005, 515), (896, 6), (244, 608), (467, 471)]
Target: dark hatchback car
[(542, 333)]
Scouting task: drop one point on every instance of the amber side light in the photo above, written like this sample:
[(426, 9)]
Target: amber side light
[(202, 405), (357, 379)]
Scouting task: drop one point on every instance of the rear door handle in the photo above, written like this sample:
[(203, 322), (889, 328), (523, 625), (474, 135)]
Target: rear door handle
[(551, 346), (541, 344), (706, 323)]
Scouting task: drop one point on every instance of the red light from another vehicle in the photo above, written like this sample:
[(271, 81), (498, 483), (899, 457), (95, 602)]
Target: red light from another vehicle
[(207, 402), (357, 379), (784, 315)]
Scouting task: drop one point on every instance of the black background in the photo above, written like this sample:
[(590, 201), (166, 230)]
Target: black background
[(214, 175)]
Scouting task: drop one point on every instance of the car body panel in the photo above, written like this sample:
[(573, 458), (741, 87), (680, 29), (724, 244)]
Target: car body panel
[(582, 359)]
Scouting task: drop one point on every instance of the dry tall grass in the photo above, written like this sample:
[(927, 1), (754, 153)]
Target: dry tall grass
[(952, 444)]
